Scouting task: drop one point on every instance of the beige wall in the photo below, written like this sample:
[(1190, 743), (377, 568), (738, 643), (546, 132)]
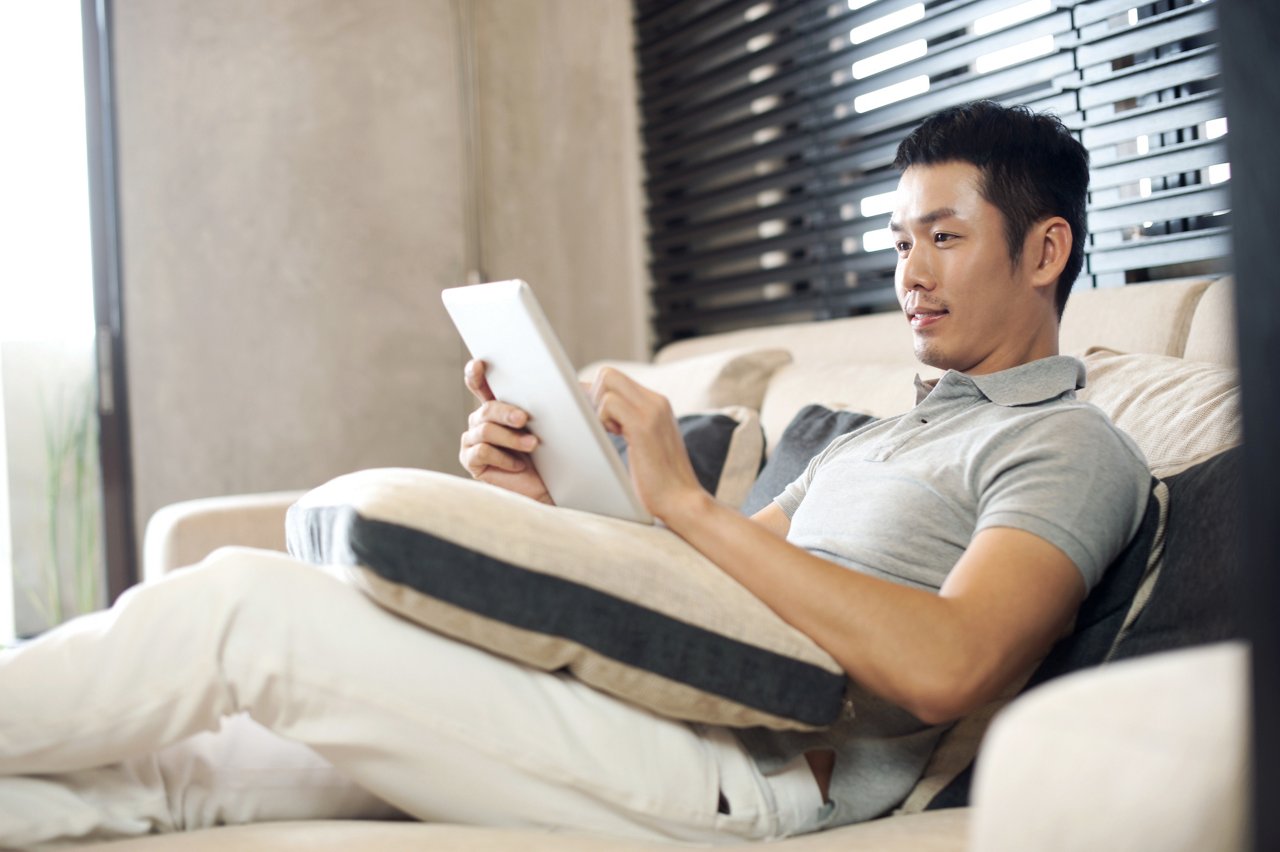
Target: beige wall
[(294, 194), (560, 189)]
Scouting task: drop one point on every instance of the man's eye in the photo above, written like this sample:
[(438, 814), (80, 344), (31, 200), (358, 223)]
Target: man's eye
[(942, 238), (902, 247)]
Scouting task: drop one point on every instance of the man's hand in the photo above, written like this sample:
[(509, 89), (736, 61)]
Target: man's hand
[(496, 446), (656, 456)]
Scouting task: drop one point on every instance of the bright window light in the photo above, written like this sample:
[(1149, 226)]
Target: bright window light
[(758, 11), (771, 228), (891, 94), (1008, 17), (890, 58), (1144, 187), (1143, 143), (765, 104), (1215, 128), (46, 269), (877, 240), (1220, 173), (874, 205), (889, 23), (858, 4), (1133, 17), (1013, 55)]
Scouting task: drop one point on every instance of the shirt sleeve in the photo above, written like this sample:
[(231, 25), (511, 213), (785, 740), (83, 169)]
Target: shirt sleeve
[(793, 495), (1073, 479)]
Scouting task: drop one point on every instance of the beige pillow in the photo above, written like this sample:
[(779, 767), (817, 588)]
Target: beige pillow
[(1178, 412), (704, 382), (629, 608)]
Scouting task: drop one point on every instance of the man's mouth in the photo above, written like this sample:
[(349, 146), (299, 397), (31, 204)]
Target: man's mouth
[(921, 318)]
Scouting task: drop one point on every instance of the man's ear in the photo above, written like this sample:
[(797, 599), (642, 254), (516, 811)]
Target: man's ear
[(1047, 249)]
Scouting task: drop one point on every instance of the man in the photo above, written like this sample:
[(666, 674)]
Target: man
[(936, 556)]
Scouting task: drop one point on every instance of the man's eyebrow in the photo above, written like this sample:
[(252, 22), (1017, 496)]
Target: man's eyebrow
[(927, 219)]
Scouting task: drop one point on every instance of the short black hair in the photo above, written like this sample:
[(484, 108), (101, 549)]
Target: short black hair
[(1031, 168)]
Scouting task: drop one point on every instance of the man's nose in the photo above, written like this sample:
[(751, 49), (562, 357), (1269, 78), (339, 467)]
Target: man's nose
[(915, 272)]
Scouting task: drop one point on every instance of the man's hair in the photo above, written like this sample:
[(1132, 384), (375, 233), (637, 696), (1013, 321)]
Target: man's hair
[(1031, 168)]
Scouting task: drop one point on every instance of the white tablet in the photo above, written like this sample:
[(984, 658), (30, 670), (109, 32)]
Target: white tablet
[(503, 325)]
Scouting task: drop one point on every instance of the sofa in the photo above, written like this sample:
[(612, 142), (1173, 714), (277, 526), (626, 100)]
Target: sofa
[(1148, 750)]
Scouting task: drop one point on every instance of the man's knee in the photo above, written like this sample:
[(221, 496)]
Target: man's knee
[(243, 575)]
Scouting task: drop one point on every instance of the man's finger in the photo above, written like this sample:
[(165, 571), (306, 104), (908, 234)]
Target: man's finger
[(486, 432), (473, 375), (494, 411), (482, 457)]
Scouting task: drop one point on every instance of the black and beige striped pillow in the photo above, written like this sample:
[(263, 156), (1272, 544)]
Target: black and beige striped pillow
[(629, 608)]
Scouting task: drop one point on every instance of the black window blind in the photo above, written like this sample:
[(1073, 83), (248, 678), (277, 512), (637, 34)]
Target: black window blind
[(770, 128)]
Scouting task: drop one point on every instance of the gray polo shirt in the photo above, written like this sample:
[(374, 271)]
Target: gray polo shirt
[(901, 499)]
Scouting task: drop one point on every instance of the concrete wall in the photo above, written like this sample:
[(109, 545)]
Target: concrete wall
[(560, 190), (295, 193)]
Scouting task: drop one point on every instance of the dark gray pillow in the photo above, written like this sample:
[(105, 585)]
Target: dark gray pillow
[(1193, 600), (808, 433)]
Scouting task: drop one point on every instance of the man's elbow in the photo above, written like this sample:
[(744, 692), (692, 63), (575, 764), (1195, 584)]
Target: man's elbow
[(943, 696)]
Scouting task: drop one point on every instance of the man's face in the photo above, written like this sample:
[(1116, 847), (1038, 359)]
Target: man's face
[(966, 302)]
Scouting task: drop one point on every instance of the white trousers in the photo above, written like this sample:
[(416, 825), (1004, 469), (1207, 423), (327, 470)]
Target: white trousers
[(254, 687)]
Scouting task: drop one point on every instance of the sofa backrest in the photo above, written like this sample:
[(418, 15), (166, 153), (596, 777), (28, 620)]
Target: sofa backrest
[(1212, 336), (866, 363), (1156, 318), (1150, 319)]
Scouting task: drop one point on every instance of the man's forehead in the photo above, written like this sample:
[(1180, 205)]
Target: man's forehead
[(927, 194)]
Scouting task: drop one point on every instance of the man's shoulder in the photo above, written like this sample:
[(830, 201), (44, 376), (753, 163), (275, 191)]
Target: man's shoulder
[(1075, 425)]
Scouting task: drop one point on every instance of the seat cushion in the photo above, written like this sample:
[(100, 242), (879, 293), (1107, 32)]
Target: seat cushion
[(934, 832)]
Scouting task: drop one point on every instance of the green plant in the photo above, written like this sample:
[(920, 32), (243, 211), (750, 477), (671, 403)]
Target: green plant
[(71, 507)]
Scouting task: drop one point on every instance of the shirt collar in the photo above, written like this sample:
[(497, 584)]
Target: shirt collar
[(1027, 384)]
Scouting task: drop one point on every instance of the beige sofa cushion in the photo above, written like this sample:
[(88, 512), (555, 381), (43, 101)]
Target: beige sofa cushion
[(1178, 412), (734, 376), (1150, 318), (629, 608), (1144, 754), (937, 831), (1213, 328), (882, 338)]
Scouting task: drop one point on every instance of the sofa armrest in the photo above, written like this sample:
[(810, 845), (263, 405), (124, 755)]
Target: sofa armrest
[(1150, 753), (185, 533)]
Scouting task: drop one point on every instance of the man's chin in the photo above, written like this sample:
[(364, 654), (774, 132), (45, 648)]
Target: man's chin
[(930, 355)]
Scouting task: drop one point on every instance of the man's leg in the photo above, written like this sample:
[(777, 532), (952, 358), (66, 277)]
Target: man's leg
[(241, 773), (439, 729)]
